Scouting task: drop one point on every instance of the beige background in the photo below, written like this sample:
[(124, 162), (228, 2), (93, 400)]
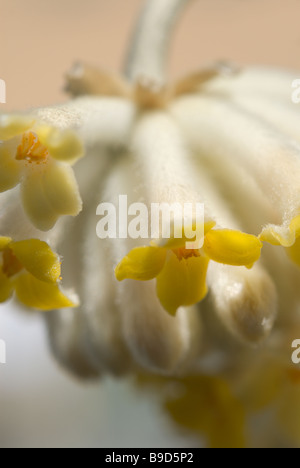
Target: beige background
[(40, 39), (41, 406)]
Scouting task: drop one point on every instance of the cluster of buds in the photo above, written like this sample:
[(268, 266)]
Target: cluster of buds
[(215, 322)]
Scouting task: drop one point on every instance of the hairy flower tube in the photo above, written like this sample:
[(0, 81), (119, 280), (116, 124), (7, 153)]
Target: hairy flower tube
[(209, 329)]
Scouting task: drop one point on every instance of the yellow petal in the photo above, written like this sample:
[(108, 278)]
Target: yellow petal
[(261, 384), (284, 235), (10, 168), (63, 145), (142, 263), (40, 295), (38, 259), (13, 125), (206, 406), (50, 194), (288, 407), (174, 243), (6, 287), (294, 251), (287, 236), (232, 247), (4, 241), (182, 282)]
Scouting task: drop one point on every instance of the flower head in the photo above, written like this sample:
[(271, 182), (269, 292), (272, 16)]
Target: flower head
[(38, 157), (223, 137)]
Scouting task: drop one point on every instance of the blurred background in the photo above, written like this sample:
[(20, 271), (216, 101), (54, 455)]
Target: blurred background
[(40, 405)]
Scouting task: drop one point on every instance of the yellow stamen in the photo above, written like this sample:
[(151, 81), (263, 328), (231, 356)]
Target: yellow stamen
[(11, 265), (31, 149)]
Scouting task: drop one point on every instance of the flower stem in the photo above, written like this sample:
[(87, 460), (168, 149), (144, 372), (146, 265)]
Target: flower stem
[(149, 46)]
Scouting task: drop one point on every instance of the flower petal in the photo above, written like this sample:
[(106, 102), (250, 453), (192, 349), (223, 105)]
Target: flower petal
[(13, 125), (6, 287), (175, 243), (50, 194), (4, 241), (63, 145), (182, 282), (10, 168), (207, 406), (232, 247), (38, 259), (294, 251), (284, 235), (40, 295), (142, 263)]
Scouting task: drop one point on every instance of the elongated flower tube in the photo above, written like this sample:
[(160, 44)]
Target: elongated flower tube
[(177, 340), (180, 272), (89, 340), (272, 159)]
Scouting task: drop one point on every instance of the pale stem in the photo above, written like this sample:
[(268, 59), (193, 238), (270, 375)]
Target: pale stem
[(149, 46)]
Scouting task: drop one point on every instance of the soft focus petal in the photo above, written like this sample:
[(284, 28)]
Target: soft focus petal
[(143, 264), (264, 82), (207, 406), (38, 259), (294, 252), (50, 194), (63, 145), (10, 168), (40, 295), (174, 243), (244, 300), (13, 125), (182, 282), (288, 410), (4, 241), (232, 247), (6, 287)]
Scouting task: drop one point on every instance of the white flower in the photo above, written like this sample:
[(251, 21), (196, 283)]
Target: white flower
[(224, 137)]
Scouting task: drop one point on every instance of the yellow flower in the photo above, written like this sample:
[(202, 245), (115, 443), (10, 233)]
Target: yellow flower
[(38, 157), (181, 272), (287, 235), (31, 270), (204, 405)]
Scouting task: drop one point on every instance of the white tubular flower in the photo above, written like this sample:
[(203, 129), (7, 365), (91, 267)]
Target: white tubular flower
[(272, 159), (177, 339), (187, 321)]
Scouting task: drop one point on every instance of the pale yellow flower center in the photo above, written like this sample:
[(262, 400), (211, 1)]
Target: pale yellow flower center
[(11, 265), (31, 149)]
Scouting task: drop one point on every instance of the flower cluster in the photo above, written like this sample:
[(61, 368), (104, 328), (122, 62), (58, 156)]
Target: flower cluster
[(212, 325)]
